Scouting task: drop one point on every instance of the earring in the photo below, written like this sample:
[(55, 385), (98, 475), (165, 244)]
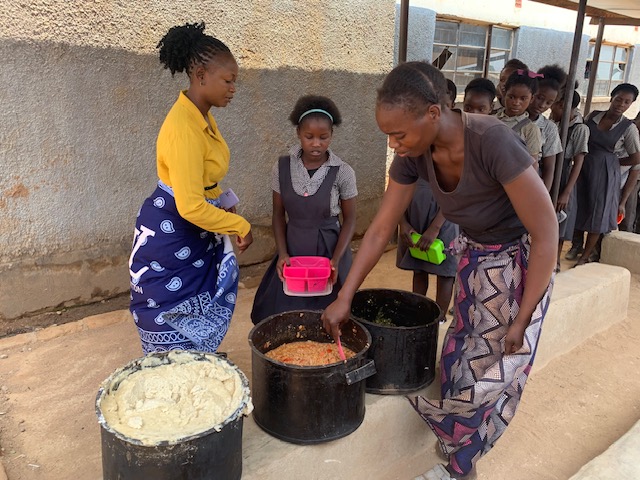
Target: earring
[(201, 83)]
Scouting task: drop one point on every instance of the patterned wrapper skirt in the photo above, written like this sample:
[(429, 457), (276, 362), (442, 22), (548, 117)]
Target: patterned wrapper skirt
[(480, 386), (184, 280)]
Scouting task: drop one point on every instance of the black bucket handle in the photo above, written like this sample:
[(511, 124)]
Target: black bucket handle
[(361, 373)]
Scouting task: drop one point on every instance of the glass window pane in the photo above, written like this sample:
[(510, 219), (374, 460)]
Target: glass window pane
[(497, 59), (604, 71), (446, 32), (501, 38), (444, 58), (592, 47), (606, 53), (470, 59), (621, 54), (601, 88), (462, 79), (473, 35), (618, 71)]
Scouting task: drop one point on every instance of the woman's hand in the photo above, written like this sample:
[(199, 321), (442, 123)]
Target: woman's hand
[(282, 261), (335, 315), (622, 209), (514, 338), (244, 242)]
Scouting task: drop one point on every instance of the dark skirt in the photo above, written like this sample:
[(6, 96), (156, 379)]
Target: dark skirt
[(598, 193), (421, 213)]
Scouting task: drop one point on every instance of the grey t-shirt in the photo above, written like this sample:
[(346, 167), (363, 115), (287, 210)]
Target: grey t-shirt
[(493, 156)]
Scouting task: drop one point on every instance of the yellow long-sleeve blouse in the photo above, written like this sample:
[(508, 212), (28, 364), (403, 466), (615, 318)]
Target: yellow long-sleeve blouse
[(192, 156)]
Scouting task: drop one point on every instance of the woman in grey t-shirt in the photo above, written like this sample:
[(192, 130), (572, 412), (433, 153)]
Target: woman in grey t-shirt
[(482, 177)]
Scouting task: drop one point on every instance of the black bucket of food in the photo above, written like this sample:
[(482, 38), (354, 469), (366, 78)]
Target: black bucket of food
[(308, 404), (404, 338), (173, 415)]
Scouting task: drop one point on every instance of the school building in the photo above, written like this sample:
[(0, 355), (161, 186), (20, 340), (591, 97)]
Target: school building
[(470, 39)]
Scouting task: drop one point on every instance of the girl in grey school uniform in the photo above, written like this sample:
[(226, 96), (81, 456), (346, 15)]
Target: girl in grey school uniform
[(312, 186)]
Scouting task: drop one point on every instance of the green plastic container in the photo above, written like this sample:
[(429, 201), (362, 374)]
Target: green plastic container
[(434, 255)]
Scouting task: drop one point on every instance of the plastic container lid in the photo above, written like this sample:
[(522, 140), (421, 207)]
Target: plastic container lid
[(434, 255)]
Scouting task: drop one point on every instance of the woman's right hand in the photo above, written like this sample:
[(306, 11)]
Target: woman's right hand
[(563, 201), (244, 242), (335, 315), (282, 261)]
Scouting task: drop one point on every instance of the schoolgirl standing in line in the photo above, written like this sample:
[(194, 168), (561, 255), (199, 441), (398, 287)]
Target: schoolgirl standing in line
[(519, 89), (312, 186), (613, 141), (549, 87), (576, 149)]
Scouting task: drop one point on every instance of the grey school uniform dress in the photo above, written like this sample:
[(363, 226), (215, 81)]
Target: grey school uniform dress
[(577, 142), (312, 229), (599, 182), (420, 214)]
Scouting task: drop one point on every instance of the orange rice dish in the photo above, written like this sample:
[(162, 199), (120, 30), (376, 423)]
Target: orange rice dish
[(309, 353)]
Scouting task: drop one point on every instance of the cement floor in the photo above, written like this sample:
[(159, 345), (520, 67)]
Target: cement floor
[(572, 410)]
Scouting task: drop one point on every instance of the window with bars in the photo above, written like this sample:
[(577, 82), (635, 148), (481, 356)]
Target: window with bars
[(612, 66), (466, 51)]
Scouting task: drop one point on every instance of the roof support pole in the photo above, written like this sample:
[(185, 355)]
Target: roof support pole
[(568, 98), (404, 31), (593, 73)]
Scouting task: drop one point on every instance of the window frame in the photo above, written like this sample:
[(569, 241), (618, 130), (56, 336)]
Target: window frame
[(610, 82), (489, 49)]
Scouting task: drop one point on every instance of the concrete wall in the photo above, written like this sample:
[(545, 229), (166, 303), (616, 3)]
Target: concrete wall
[(84, 96), (538, 47)]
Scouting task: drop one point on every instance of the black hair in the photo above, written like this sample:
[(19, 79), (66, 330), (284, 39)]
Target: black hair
[(515, 64), (186, 45), (312, 102), (452, 91), (625, 87), (554, 77), (576, 99), (521, 77), (413, 86), (483, 86)]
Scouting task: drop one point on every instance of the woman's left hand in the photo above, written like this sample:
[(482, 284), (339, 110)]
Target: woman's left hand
[(244, 242), (514, 339), (231, 210)]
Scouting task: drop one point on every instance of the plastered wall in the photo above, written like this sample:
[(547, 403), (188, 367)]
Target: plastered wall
[(84, 96)]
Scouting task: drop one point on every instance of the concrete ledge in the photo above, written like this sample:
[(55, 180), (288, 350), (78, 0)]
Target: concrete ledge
[(622, 249), (585, 300), (620, 460)]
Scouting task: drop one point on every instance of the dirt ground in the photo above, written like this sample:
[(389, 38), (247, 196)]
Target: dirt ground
[(572, 409)]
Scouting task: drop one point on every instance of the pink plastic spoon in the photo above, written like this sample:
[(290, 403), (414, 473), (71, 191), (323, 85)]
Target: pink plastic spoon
[(340, 351)]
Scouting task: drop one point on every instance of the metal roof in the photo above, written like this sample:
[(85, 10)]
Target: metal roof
[(614, 12)]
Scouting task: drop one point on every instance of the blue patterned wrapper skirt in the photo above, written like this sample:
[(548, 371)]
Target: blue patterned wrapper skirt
[(184, 280)]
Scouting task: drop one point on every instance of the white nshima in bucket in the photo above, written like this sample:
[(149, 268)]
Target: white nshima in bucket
[(169, 397)]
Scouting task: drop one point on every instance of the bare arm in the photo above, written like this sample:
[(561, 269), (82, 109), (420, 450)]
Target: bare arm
[(395, 201), (346, 234), (563, 198), (548, 166), (532, 203), (632, 179)]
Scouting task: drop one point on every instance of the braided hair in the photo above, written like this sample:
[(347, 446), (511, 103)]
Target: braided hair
[(313, 102), (187, 45), (413, 86), (522, 77), (554, 77)]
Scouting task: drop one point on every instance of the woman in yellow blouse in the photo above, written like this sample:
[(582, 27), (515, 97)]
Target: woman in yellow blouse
[(184, 273)]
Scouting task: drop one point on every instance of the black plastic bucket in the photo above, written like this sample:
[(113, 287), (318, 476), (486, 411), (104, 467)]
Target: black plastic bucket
[(404, 354), (307, 405), (212, 454)]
